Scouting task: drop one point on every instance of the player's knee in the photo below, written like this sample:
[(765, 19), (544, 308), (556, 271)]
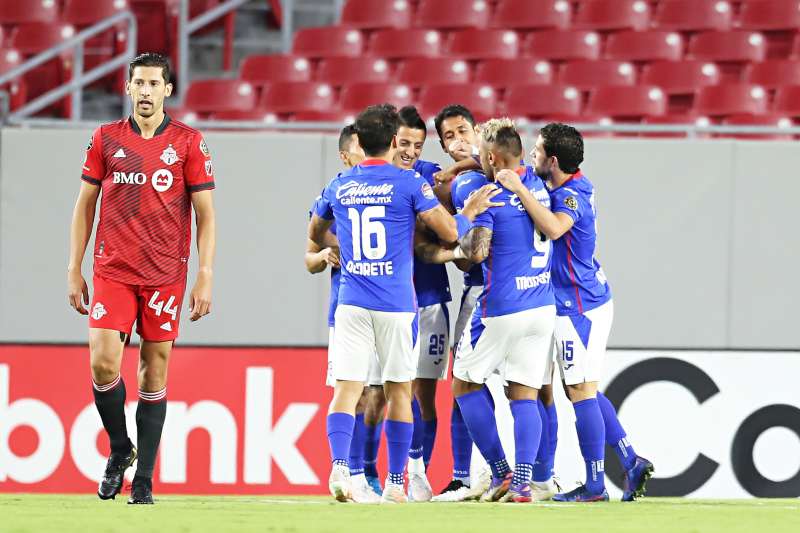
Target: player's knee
[(104, 369)]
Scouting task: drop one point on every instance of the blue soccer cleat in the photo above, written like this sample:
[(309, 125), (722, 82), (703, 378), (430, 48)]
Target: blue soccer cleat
[(375, 483), (581, 495), (635, 482)]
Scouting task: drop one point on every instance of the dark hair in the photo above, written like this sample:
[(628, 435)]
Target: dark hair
[(409, 117), (150, 59), (507, 139), (565, 143), (376, 126), (453, 110), (346, 137)]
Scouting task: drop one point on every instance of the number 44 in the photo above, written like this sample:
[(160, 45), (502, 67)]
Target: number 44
[(167, 307)]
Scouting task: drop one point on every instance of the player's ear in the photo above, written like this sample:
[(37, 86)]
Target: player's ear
[(394, 143), (168, 90), (128, 87)]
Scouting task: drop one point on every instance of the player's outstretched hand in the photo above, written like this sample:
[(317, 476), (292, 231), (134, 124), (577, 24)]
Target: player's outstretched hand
[(331, 256), (77, 291), (510, 180), (481, 200), (200, 298)]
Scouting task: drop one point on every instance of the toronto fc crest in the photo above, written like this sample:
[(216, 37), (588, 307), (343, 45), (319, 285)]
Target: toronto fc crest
[(169, 155)]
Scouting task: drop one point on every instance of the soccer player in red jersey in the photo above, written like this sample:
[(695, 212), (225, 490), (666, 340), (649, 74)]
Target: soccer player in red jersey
[(151, 171)]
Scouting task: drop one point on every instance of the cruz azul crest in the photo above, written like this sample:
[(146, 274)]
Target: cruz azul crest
[(169, 155)]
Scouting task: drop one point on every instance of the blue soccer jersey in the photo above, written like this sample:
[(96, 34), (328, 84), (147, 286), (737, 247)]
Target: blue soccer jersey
[(578, 279), (517, 270), (464, 185), (375, 206), (430, 281)]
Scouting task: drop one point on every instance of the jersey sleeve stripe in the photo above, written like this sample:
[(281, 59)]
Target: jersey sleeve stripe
[(202, 186), (89, 179)]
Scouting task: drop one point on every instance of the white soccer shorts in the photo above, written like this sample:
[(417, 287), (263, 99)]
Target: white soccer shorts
[(374, 377), (517, 344), (581, 344), (361, 333), (434, 342), (469, 298)]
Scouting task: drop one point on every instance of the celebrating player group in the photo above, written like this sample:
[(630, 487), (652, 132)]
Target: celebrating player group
[(534, 295)]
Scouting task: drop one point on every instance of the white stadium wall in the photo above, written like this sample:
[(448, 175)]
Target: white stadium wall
[(698, 237)]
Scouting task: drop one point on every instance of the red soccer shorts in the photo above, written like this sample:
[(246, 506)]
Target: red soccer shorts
[(156, 310)]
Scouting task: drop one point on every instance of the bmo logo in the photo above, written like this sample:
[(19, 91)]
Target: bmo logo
[(162, 180), (130, 178)]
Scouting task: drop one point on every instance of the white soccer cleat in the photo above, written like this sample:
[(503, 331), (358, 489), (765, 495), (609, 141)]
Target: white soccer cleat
[(545, 490), (419, 488), (394, 493), (362, 492), (339, 483), (480, 484)]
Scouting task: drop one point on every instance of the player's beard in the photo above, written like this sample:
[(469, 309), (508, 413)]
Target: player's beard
[(146, 112), (545, 174)]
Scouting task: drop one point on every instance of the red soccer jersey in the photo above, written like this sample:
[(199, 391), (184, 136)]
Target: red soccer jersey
[(144, 233)]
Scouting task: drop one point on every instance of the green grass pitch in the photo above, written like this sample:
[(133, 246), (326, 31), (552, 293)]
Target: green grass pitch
[(87, 514)]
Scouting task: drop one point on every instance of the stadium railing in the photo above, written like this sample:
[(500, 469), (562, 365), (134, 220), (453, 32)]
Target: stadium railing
[(528, 127), (80, 79)]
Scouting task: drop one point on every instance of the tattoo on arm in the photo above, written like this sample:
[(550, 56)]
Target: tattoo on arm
[(476, 244)]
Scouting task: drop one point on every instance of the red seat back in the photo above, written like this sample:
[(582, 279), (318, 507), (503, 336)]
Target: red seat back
[(587, 75), (531, 14), (773, 73), (259, 70), (731, 99), (357, 96), (628, 102), (681, 77), (452, 14), (645, 46), (483, 44), (694, 15), (296, 96), (566, 45), (549, 100), (346, 70), (502, 73), (216, 95), (375, 14), (398, 44), (479, 99), (85, 12), (770, 15), (737, 46), (787, 100), (420, 71), (21, 11), (328, 42), (610, 15)]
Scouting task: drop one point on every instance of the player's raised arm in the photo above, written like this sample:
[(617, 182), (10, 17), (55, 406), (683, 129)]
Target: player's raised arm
[(554, 225), (80, 231)]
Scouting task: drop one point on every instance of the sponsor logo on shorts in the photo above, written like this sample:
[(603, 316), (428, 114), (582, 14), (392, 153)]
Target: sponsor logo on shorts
[(99, 311)]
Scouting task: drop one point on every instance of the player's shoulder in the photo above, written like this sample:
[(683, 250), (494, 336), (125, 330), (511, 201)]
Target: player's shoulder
[(183, 129), (470, 177), (112, 127)]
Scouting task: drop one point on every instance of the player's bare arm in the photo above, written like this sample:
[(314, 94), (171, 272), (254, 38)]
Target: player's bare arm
[(429, 250), (200, 297), (317, 258), (554, 225), (317, 229), (475, 244), (80, 231)]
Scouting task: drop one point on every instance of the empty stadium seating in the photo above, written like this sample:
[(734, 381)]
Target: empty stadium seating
[(483, 44), (356, 97), (420, 71), (773, 73), (731, 99), (502, 73), (627, 102), (645, 46), (296, 96), (586, 75), (562, 45), (480, 99), (395, 44), (18, 11), (550, 100), (693, 15), (608, 15)]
